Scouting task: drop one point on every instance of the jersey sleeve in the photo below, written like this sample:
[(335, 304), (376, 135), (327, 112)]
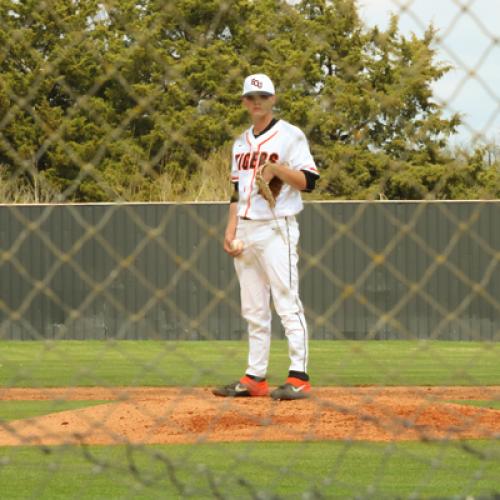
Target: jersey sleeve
[(300, 157)]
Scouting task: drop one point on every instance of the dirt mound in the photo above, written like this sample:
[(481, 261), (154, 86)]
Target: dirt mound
[(186, 415)]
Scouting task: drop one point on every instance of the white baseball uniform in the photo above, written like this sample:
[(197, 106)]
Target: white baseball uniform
[(268, 265)]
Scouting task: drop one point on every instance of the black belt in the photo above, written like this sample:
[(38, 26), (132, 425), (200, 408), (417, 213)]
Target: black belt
[(248, 218)]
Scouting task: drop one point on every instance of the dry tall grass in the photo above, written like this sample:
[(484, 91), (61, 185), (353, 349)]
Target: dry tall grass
[(211, 182), (18, 189)]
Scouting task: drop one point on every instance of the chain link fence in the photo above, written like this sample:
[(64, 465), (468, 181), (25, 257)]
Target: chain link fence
[(116, 122)]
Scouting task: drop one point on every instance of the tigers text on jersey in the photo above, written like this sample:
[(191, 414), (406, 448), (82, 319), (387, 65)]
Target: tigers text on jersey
[(282, 143)]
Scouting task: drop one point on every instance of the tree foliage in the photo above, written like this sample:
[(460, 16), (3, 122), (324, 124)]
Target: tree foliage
[(118, 99)]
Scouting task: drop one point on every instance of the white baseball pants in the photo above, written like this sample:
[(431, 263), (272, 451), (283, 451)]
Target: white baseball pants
[(268, 266)]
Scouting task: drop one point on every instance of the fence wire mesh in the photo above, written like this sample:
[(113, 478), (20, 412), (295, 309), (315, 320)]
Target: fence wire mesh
[(119, 310)]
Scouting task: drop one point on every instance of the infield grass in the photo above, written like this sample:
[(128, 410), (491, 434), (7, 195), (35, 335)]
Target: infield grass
[(254, 470), (13, 410), (492, 405), (245, 470), (206, 363)]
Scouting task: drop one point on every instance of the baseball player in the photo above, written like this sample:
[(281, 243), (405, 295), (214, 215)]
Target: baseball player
[(263, 240)]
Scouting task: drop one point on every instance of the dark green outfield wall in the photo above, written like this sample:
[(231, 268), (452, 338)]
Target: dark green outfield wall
[(157, 271)]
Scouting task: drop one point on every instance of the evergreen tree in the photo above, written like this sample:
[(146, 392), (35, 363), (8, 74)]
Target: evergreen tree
[(116, 100)]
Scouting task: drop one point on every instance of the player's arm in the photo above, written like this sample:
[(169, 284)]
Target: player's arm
[(311, 179), (232, 223), (303, 180), (295, 178)]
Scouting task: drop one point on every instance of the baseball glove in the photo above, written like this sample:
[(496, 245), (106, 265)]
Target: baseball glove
[(269, 191)]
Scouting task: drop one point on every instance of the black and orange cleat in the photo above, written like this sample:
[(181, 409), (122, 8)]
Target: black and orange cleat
[(245, 387), (293, 388)]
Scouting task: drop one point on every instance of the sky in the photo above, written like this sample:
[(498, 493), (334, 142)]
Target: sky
[(466, 31)]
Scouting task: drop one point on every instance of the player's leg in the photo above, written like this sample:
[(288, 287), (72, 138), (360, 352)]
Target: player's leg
[(255, 308), (281, 260)]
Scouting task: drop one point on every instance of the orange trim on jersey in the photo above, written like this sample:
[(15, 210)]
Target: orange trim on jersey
[(310, 168), (268, 139), (250, 193), (255, 170)]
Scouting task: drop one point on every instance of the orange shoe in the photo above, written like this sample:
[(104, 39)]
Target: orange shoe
[(244, 388), (293, 388)]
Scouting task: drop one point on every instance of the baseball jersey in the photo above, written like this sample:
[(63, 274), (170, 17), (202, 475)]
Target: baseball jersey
[(282, 143)]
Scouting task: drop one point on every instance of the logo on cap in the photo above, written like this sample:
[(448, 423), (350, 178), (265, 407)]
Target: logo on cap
[(256, 83)]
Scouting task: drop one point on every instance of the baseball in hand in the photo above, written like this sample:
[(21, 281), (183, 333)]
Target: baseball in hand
[(237, 245)]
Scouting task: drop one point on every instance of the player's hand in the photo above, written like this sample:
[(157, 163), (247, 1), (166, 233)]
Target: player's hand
[(266, 170), (228, 239)]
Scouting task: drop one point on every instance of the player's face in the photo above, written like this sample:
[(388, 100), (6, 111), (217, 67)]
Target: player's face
[(259, 106)]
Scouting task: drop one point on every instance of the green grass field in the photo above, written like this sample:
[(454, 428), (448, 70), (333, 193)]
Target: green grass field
[(344, 469), (13, 410), (150, 363), (254, 470), (492, 405)]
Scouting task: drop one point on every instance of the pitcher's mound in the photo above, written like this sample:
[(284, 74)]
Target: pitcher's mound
[(187, 415)]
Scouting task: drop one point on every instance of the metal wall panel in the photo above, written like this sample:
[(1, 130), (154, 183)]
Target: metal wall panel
[(381, 270)]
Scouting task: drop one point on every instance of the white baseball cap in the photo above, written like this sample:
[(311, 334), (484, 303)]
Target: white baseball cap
[(258, 84)]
